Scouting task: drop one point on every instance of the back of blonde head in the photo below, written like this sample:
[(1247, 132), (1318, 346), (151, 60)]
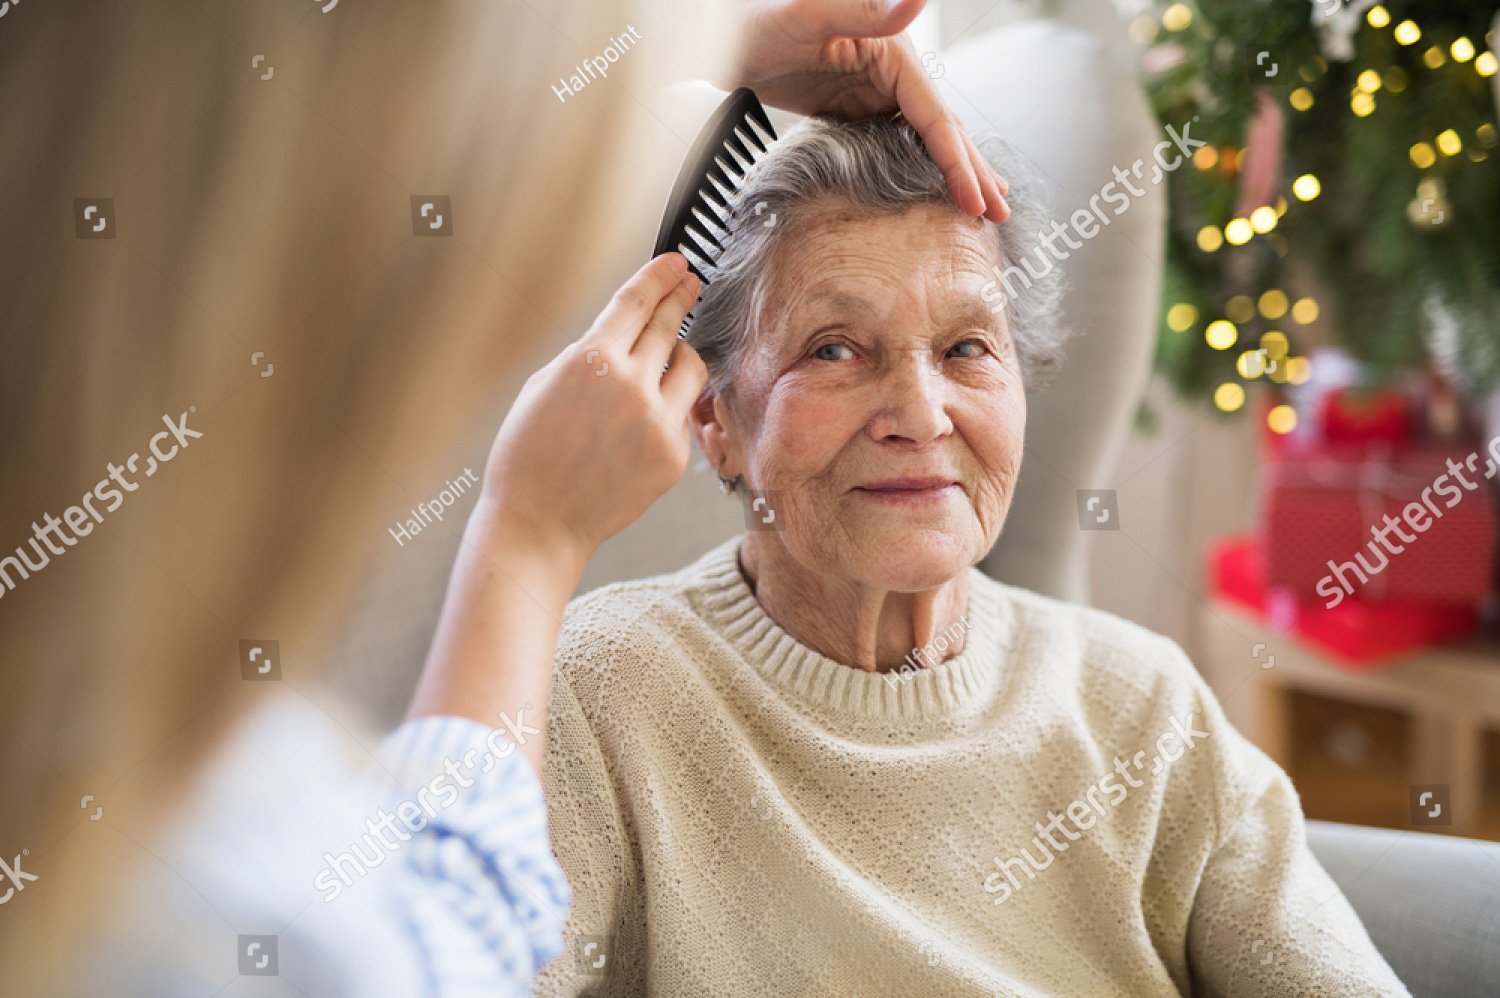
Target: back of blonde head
[(264, 279)]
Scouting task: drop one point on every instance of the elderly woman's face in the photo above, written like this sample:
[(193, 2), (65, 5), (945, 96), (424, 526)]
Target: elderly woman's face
[(879, 361)]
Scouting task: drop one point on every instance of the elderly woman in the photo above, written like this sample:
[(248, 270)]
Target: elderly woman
[(830, 756)]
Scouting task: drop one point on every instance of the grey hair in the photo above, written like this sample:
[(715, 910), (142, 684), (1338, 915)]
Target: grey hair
[(881, 166)]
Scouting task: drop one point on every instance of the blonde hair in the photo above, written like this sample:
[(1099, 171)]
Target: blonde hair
[(265, 287)]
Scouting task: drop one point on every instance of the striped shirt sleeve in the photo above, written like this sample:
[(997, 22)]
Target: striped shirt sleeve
[(479, 889)]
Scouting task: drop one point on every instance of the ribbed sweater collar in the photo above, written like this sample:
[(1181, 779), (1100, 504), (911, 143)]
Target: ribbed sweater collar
[(960, 686)]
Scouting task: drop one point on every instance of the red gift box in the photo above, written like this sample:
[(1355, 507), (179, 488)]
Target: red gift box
[(1324, 512), (1359, 632), (1349, 416)]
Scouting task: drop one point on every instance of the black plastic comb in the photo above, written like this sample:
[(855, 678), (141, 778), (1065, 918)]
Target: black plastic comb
[(736, 137)]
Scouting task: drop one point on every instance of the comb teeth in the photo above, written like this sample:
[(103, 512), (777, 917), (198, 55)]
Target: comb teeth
[(735, 175), (705, 223), (710, 248), (705, 268), (719, 210), (702, 210), (748, 138), (764, 136), (742, 157), (740, 150), (726, 193), (756, 115)]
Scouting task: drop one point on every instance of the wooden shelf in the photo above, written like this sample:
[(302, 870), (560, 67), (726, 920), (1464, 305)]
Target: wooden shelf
[(1449, 693)]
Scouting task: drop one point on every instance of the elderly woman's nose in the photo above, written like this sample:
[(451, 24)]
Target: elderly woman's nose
[(914, 397)]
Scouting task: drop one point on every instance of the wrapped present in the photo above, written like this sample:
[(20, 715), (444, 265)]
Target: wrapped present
[(1350, 416), (1417, 523), (1359, 633)]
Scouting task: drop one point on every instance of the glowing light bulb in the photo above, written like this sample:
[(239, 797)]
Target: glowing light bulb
[(1273, 304), (1306, 187), (1181, 316), (1229, 396), (1176, 17), (1282, 419), (1221, 334), (1239, 309)]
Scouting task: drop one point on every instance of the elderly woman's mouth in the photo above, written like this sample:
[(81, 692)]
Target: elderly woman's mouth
[(908, 489)]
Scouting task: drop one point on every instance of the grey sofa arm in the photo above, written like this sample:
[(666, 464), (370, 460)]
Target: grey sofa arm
[(1431, 903)]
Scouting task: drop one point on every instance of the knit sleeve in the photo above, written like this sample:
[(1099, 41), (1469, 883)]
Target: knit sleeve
[(604, 928), (1266, 918)]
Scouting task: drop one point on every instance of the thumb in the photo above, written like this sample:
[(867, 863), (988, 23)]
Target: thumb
[(863, 18)]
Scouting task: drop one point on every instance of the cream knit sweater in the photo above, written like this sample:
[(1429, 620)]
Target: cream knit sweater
[(1061, 809)]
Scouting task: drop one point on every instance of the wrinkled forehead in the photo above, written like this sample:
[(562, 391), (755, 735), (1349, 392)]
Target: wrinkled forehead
[(837, 257)]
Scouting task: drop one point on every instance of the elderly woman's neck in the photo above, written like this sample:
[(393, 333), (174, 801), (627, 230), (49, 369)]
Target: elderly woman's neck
[(877, 630)]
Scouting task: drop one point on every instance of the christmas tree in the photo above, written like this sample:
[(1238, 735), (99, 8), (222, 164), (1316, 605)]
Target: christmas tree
[(1349, 192)]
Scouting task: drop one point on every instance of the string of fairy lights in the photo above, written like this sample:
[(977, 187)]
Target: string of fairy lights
[(1271, 358)]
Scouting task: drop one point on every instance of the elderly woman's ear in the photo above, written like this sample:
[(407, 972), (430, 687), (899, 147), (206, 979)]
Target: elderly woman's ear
[(718, 436)]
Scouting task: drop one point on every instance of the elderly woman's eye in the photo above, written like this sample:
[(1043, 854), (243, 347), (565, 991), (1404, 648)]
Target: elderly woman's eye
[(818, 351), (980, 347)]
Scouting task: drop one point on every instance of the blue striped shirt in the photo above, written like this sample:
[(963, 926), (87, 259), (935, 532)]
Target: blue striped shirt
[(480, 892), (426, 870)]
